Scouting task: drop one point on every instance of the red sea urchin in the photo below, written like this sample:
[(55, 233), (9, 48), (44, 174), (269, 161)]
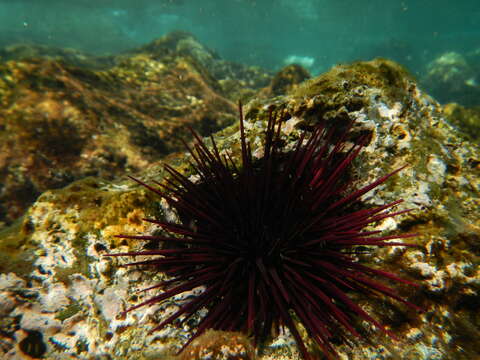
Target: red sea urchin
[(273, 241)]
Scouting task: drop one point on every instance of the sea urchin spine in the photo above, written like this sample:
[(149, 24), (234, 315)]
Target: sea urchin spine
[(271, 241)]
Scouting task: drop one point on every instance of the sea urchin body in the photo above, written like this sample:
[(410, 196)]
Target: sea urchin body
[(272, 241)]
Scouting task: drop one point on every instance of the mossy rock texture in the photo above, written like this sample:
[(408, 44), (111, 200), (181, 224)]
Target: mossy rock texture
[(61, 122), (59, 294)]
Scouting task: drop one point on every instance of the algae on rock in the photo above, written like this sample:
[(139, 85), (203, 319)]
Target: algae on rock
[(73, 295)]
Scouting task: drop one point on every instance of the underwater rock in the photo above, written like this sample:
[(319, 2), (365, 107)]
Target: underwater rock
[(451, 78), (286, 80), (63, 297), (467, 119), (59, 122), (238, 81), (219, 345), (73, 57)]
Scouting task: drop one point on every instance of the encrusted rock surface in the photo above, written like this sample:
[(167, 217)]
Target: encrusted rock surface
[(60, 122), (65, 115), (286, 80), (466, 119), (59, 298)]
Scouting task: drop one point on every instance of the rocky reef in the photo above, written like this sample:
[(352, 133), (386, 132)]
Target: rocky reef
[(466, 119), (454, 77), (65, 116), (60, 298)]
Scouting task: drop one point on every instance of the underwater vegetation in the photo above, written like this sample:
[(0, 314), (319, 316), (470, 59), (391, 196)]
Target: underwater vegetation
[(272, 241)]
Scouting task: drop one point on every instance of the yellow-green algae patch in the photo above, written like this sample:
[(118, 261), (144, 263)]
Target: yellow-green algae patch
[(14, 250), (466, 118), (386, 75), (68, 312), (86, 207)]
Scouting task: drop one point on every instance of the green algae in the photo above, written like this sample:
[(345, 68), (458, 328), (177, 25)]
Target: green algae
[(466, 119), (68, 312), (15, 252), (386, 75)]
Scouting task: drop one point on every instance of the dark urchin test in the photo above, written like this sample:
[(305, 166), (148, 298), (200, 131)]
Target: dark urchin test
[(272, 240)]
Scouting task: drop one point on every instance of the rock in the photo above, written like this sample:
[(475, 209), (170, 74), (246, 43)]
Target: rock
[(60, 122), (452, 78), (466, 119), (286, 80), (219, 345), (59, 292), (23, 51), (238, 81)]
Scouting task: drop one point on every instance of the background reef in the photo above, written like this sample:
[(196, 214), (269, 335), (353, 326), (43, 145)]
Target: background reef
[(73, 125), (256, 32), (65, 116)]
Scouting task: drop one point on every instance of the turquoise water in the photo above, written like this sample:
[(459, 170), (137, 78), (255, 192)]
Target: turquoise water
[(74, 126), (268, 33)]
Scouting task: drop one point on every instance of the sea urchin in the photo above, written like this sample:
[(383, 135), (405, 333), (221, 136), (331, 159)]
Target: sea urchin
[(273, 241)]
